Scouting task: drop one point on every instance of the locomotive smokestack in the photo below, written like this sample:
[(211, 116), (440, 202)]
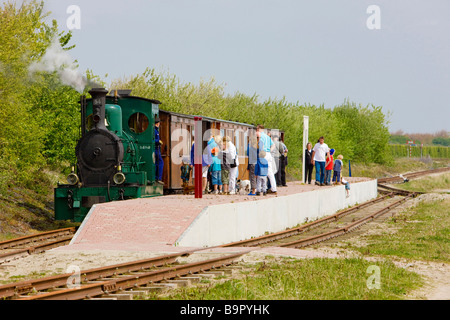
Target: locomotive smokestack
[(98, 107)]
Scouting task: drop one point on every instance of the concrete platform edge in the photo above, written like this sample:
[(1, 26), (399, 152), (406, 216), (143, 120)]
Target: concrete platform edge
[(224, 223)]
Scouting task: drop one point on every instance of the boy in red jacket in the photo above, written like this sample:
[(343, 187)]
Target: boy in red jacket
[(329, 167)]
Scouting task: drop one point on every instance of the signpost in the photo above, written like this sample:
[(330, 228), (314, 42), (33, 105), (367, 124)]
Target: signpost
[(411, 144), (305, 141)]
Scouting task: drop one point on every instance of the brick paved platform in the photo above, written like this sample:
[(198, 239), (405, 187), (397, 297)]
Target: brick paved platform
[(169, 223)]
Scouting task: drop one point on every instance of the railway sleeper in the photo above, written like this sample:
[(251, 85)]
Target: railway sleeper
[(117, 296), (161, 286), (179, 282), (100, 299), (192, 279), (135, 292), (157, 289)]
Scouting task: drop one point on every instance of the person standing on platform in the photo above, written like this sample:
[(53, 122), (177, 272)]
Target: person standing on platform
[(320, 153), (309, 166), (338, 164), (216, 171), (329, 167), (261, 170), (206, 162), (224, 156), (252, 153), (234, 166), (266, 144), (281, 156), (159, 163)]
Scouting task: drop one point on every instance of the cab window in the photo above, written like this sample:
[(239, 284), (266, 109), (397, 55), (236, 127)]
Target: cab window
[(138, 122)]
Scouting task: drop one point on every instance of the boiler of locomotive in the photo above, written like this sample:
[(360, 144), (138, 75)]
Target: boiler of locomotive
[(100, 151)]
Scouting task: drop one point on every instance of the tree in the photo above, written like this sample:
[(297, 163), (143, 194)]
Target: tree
[(25, 99), (442, 141)]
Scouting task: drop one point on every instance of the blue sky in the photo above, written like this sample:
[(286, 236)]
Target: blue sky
[(318, 52)]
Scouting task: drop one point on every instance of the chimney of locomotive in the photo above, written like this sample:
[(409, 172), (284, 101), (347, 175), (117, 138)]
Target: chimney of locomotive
[(98, 107)]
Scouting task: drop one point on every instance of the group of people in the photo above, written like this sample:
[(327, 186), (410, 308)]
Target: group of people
[(322, 158), (267, 159)]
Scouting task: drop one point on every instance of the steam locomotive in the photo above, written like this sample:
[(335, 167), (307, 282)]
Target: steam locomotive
[(115, 154)]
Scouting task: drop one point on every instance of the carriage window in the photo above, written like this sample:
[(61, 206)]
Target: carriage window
[(242, 143), (138, 122), (189, 139), (236, 142)]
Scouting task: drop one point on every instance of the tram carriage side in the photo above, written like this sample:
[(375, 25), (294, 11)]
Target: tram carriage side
[(178, 136)]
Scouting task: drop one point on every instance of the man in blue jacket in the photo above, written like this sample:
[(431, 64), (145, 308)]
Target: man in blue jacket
[(207, 160)]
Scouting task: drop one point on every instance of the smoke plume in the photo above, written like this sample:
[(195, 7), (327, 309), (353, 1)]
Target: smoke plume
[(59, 60)]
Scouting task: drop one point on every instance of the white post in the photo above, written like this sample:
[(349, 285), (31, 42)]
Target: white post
[(305, 141)]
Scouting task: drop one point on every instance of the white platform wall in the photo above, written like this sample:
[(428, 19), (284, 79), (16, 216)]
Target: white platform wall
[(220, 224)]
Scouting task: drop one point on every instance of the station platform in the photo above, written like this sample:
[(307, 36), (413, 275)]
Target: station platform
[(177, 223)]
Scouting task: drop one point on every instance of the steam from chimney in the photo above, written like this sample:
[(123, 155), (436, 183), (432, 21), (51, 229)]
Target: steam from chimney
[(59, 60)]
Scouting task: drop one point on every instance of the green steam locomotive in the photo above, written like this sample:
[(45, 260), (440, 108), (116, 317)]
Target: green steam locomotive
[(115, 154)]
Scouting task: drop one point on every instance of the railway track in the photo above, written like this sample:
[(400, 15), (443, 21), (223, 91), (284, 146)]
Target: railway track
[(136, 275), (354, 222), (388, 189), (24, 246), (401, 178), (358, 217)]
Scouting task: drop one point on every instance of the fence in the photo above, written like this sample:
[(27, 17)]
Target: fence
[(403, 150)]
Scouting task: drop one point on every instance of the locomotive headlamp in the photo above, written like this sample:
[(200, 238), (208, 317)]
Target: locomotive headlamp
[(72, 178), (119, 177)]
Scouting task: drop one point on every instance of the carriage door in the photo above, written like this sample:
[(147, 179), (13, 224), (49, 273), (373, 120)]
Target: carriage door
[(164, 132)]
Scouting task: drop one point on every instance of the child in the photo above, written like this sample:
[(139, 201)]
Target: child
[(261, 170), (185, 171), (225, 165), (347, 186), (185, 175), (216, 170), (338, 164), (328, 167)]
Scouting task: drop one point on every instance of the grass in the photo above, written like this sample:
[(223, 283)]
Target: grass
[(315, 279), (423, 233), (400, 165), (436, 183), (25, 211)]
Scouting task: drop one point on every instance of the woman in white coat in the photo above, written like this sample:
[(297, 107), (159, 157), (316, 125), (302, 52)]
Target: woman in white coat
[(231, 148)]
